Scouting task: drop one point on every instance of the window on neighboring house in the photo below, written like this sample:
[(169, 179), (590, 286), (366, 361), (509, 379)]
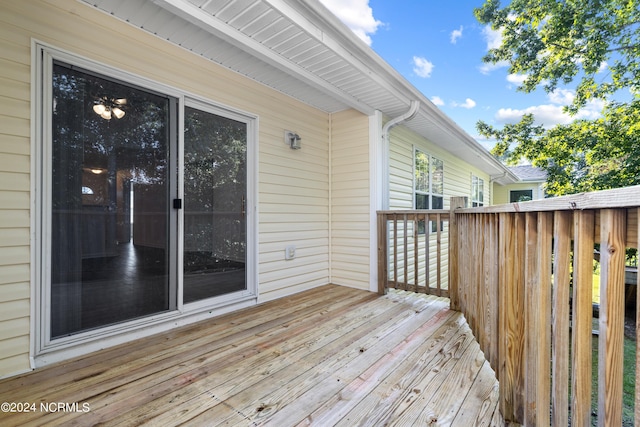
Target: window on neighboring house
[(477, 191), (428, 183), (520, 195)]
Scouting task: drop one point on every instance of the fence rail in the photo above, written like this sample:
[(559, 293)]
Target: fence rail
[(523, 276)]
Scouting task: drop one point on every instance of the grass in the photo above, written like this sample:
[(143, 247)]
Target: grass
[(628, 385), (629, 376)]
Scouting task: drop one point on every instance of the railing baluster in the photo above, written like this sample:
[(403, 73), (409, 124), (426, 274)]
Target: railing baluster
[(581, 318), (416, 252), (511, 316), (427, 257), (560, 334), (611, 319), (395, 251), (405, 245), (438, 255), (531, 307)]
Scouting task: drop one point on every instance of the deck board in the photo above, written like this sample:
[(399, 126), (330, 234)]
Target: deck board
[(329, 356)]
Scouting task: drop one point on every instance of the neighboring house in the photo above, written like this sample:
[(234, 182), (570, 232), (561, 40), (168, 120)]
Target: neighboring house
[(163, 162), (530, 185)]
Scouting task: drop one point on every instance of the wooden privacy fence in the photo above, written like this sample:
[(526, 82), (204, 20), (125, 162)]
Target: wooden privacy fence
[(523, 276), (412, 251)]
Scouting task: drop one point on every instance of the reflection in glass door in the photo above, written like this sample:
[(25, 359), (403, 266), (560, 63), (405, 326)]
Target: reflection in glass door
[(110, 216), (215, 226)]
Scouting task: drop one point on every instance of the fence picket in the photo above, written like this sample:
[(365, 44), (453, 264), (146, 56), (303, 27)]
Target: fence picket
[(522, 274)]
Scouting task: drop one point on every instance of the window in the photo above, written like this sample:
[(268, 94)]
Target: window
[(428, 183), (520, 195), (477, 191)]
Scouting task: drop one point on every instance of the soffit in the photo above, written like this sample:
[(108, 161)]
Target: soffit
[(301, 49)]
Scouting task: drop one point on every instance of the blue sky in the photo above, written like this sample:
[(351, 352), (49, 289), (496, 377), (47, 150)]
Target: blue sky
[(438, 47)]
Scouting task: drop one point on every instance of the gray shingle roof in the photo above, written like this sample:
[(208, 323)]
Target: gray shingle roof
[(529, 173)]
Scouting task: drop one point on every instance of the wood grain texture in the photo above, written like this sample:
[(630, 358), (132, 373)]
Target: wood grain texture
[(619, 197), (540, 309), (561, 318), (330, 356), (383, 254), (611, 319), (454, 250), (581, 318), (531, 312), (511, 316)]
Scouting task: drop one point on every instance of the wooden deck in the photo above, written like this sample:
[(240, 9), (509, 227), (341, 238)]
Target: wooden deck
[(330, 356)]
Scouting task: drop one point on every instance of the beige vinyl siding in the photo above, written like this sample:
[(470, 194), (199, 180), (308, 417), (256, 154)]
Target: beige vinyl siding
[(294, 207), (457, 182), (293, 186), (350, 200), (15, 166), (502, 192), (457, 174)]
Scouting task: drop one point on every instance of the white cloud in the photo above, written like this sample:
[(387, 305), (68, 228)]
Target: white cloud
[(437, 101), (422, 66), (552, 114), (356, 14), (456, 34), (562, 96), (468, 104), (488, 68), (517, 79), (547, 115), (603, 66), (492, 37)]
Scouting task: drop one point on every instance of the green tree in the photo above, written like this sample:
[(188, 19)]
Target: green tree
[(594, 44)]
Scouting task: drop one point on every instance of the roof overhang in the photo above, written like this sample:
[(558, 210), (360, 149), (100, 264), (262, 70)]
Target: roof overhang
[(301, 49)]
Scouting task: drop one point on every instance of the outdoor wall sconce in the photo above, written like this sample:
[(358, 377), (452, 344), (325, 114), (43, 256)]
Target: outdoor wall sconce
[(107, 108), (292, 139)]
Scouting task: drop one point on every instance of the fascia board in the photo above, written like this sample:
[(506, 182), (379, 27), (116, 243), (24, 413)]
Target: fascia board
[(340, 39), (219, 29)]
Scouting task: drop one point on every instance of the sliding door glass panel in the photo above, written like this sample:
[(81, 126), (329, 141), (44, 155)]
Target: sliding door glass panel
[(109, 210), (215, 149)]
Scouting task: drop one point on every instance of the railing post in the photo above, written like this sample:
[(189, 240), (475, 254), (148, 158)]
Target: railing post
[(454, 265), (383, 257)]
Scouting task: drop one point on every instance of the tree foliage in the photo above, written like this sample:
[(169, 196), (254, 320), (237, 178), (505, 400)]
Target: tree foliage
[(585, 155), (594, 45)]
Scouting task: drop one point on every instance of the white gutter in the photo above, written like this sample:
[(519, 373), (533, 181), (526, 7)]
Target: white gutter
[(413, 110), (494, 178), (411, 113)]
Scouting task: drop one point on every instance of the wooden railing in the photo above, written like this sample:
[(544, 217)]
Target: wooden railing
[(412, 251), (523, 276)]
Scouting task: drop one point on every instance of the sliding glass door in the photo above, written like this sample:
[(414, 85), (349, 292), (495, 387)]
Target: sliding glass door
[(215, 182), (115, 157), (110, 216)]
